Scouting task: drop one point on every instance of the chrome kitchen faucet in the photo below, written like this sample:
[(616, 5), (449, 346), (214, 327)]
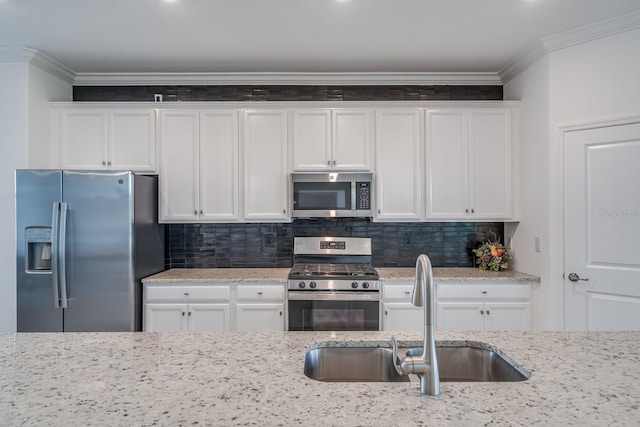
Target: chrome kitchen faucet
[(426, 364)]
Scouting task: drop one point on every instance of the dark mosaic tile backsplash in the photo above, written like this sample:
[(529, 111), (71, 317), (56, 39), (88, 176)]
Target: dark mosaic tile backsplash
[(290, 93), (448, 244)]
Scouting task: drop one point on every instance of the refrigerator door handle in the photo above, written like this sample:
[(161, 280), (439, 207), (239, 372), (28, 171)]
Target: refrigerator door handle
[(63, 254), (55, 221)]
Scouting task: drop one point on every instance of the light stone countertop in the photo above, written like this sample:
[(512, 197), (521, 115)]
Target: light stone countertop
[(279, 275), (223, 379)]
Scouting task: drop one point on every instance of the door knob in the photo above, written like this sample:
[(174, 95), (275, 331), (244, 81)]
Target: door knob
[(574, 278)]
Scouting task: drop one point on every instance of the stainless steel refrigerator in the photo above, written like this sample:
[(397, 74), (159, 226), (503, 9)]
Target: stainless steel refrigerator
[(84, 240)]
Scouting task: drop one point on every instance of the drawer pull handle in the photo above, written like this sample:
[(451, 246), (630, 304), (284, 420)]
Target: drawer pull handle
[(186, 294), (280, 312), (259, 292), (407, 292), (484, 292), (386, 313)]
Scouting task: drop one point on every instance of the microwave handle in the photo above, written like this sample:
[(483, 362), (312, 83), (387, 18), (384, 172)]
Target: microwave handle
[(354, 204)]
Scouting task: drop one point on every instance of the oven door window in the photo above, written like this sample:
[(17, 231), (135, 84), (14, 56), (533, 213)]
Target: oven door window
[(333, 315), (311, 196)]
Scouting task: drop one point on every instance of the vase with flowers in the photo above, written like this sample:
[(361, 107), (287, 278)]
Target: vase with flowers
[(492, 256)]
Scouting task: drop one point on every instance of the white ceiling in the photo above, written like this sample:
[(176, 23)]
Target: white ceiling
[(317, 36)]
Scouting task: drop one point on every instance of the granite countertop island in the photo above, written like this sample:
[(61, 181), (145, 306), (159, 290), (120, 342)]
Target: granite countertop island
[(387, 274), (173, 379)]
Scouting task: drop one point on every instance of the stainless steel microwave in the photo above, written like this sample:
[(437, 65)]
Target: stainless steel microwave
[(331, 194)]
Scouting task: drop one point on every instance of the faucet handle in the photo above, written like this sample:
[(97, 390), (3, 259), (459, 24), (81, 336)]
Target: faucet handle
[(394, 356)]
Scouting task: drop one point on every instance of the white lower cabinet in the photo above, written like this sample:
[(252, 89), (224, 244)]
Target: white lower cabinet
[(260, 307), (214, 307), (170, 308), (397, 311), (483, 306)]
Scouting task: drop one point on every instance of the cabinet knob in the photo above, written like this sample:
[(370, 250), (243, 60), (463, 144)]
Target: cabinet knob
[(195, 212), (334, 163), (259, 292), (328, 162), (473, 211), (488, 312), (284, 211), (386, 313), (109, 163), (200, 212), (379, 211), (481, 311), (484, 292), (183, 313), (104, 163), (186, 294), (280, 312), (466, 210)]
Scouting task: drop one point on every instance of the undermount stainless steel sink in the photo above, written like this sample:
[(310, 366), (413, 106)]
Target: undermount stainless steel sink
[(457, 362)]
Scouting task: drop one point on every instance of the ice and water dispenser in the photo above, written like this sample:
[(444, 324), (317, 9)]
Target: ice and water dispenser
[(38, 256)]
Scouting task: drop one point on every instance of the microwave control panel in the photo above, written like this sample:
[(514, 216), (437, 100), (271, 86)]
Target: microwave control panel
[(363, 196)]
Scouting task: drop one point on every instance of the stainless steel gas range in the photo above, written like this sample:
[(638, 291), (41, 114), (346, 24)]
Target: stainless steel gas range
[(333, 286)]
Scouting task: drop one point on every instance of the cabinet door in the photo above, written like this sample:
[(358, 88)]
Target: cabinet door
[(165, 317), (447, 164), (219, 188), (311, 140), (351, 144), (399, 165), (260, 317), (209, 317), (507, 316), (266, 174), (490, 163), (132, 140), (402, 317), (459, 316), (179, 186), (83, 138)]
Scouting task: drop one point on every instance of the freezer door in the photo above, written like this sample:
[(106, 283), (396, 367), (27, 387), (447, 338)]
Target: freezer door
[(99, 251), (37, 191)]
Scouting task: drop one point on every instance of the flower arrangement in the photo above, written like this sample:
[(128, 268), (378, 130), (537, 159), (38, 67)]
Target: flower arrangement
[(492, 256)]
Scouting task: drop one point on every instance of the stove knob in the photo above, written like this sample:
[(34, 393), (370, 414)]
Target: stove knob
[(312, 285), (301, 284), (365, 285), (354, 285)]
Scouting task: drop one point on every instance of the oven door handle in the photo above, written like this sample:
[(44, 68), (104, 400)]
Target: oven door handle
[(333, 296)]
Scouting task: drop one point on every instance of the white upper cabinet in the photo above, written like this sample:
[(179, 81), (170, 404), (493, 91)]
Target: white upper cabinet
[(266, 172), (119, 139), (331, 139), (468, 158), (179, 192), (398, 177), (219, 147), (199, 165)]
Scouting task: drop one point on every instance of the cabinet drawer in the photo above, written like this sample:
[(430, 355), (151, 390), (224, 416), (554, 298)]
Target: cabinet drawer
[(188, 293), (397, 292), (260, 292), (483, 291)]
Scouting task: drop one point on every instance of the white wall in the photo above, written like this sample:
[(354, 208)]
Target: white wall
[(14, 137), (24, 134), (531, 87), (589, 82)]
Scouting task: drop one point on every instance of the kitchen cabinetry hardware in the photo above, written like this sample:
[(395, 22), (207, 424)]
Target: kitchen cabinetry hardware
[(575, 278), (260, 293), (484, 292), (186, 293)]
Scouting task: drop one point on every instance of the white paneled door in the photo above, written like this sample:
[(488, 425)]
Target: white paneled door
[(602, 227)]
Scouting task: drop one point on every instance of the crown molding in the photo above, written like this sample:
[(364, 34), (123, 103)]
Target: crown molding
[(580, 35), (353, 79), (38, 59)]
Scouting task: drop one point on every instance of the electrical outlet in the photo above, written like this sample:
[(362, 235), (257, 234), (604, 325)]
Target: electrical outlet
[(538, 244)]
